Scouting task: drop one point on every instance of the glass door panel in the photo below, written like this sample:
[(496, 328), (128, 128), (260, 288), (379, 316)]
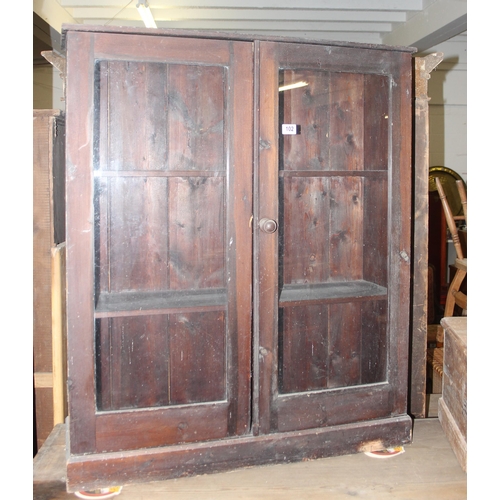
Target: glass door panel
[(328, 175), (333, 229), (160, 253)]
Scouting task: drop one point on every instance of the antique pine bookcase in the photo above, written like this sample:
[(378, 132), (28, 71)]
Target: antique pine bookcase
[(238, 251)]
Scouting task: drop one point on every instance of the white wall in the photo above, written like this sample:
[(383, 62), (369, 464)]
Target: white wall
[(448, 107), (47, 88)]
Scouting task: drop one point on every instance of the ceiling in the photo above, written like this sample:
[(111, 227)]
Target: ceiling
[(418, 23)]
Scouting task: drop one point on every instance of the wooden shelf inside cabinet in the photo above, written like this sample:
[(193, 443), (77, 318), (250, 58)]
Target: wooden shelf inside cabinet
[(164, 302), (158, 173), (370, 174), (345, 291)]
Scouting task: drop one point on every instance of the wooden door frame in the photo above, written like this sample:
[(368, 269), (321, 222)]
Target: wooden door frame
[(393, 394), (91, 431)]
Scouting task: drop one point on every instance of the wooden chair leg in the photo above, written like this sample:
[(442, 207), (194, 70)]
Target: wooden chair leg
[(454, 292)]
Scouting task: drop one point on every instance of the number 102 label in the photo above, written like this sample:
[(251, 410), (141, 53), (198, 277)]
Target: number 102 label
[(290, 129)]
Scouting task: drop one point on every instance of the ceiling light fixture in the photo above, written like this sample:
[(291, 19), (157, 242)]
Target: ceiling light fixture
[(145, 12)]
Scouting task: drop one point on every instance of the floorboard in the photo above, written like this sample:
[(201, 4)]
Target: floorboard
[(427, 470)]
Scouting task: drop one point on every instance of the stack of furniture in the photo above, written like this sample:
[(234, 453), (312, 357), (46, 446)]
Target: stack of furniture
[(48, 272), (456, 298), (450, 357)]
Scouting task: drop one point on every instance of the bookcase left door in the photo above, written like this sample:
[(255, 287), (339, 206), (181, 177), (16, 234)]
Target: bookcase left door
[(159, 204)]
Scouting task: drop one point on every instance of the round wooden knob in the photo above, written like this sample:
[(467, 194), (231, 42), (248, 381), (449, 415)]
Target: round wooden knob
[(268, 225)]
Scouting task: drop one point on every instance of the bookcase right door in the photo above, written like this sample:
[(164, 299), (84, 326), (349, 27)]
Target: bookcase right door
[(333, 272)]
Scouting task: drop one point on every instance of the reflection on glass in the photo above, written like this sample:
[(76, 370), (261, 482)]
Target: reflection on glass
[(160, 226), (333, 229)]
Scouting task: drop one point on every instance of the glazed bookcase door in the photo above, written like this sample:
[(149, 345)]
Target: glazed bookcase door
[(335, 177), (159, 259)]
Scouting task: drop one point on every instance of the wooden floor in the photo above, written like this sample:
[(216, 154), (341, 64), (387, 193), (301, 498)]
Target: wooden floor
[(427, 470)]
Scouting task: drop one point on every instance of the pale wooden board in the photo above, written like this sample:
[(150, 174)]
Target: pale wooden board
[(59, 366)]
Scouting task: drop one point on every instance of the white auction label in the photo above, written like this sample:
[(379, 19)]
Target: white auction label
[(289, 129)]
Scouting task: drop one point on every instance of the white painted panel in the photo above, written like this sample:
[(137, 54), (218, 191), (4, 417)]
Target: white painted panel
[(448, 138), (47, 88), (448, 107), (448, 87)]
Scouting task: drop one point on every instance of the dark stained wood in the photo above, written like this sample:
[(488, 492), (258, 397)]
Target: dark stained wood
[(162, 237), (376, 92), (266, 247), (350, 216), (128, 143), (374, 342), (198, 361), (399, 242), (196, 100), (168, 426), (308, 108), (331, 292), (239, 237), (346, 229), (132, 362), (399, 247), (391, 478), (349, 338), (317, 411), (345, 344), (196, 236), (375, 238), (176, 216), (304, 358), (346, 127), (44, 412), (229, 454), (306, 219), (79, 236), (136, 243), (220, 35), (378, 174), (162, 302)]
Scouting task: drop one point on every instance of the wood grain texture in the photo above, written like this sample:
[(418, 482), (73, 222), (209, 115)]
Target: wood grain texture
[(428, 464), (156, 173), (452, 409), (223, 455), (346, 229), (305, 348), (457, 439), (345, 348), (305, 219), (161, 427), (346, 135), (175, 222), (266, 247), (59, 334), (337, 223), (308, 108), (198, 361), (79, 242), (420, 264)]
